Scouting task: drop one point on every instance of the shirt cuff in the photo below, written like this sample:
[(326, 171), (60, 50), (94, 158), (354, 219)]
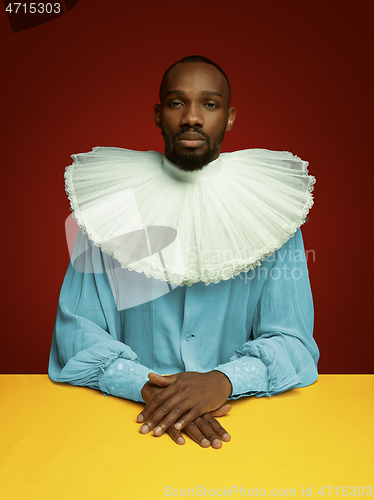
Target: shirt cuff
[(248, 376), (124, 378)]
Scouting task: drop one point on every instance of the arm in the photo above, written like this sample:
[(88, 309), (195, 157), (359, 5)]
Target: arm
[(84, 345), (282, 334)]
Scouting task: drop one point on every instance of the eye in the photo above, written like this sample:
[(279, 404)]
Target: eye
[(175, 104), (211, 105)]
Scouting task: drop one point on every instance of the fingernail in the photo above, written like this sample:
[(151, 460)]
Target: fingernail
[(178, 426), (140, 418), (226, 437), (205, 443), (216, 443), (157, 431), (180, 440), (144, 429)]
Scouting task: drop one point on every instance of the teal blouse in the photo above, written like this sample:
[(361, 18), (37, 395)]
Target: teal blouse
[(257, 328)]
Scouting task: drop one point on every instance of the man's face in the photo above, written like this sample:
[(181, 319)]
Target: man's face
[(194, 114)]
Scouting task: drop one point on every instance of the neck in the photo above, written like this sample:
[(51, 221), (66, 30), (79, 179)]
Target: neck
[(207, 171), (192, 162)]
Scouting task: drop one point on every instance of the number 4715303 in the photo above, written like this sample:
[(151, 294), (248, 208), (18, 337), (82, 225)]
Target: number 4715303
[(347, 490), (34, 7)]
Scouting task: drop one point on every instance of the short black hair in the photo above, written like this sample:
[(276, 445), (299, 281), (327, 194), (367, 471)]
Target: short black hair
[(195, 59)]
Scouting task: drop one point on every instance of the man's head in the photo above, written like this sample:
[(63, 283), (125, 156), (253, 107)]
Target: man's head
[(194, 111)]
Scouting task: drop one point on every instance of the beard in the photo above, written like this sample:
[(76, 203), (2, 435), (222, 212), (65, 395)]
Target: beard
[(190, 159)]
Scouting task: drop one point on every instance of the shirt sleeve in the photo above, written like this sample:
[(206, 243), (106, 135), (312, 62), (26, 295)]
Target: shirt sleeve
[(85, 339), (248, 376), (282, 333)]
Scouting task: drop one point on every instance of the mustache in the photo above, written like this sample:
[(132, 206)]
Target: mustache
[(194, 130)]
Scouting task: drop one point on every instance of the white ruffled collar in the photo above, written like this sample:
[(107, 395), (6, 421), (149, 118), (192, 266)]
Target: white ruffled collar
[(178, 229)]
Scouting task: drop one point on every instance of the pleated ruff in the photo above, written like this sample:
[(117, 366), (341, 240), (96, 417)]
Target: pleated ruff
[(207, 226)]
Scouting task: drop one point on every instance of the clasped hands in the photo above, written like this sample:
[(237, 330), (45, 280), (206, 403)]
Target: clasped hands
[(188, 401)]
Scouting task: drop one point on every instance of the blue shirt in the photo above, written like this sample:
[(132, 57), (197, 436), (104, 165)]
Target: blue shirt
[(257, 328)]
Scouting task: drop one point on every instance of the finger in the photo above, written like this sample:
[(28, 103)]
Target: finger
[(165, 415), (194, 432), (178, 408), (158, 400), (176, 435), (209, 432), (193, 414), (216, 426), (161, 381), (220, 412)]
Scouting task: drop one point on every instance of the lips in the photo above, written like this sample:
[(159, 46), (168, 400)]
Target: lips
[(191, 136), (191, 140)]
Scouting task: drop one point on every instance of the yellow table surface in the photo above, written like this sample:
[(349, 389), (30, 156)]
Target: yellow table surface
[(65, 442)]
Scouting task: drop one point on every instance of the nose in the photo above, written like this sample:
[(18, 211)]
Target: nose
[(192, 116)]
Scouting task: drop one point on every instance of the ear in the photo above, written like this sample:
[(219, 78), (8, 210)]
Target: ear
[(157, 114), (231, 118)]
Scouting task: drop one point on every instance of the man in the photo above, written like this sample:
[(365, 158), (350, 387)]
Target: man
[(249, 332)]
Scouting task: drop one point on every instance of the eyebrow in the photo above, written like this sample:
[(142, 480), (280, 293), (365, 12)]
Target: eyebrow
[(204, 92)]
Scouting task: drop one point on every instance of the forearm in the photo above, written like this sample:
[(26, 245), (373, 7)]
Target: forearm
[(281, 334), (124, 378)]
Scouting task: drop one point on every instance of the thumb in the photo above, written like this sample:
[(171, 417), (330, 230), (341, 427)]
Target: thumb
[(161, 381), (219, 412)]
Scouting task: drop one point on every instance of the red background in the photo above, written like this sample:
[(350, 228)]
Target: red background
[(301, 76)]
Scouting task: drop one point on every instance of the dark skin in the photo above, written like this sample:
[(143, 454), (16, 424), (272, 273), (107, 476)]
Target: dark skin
[(205, 430), (194, 113)]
